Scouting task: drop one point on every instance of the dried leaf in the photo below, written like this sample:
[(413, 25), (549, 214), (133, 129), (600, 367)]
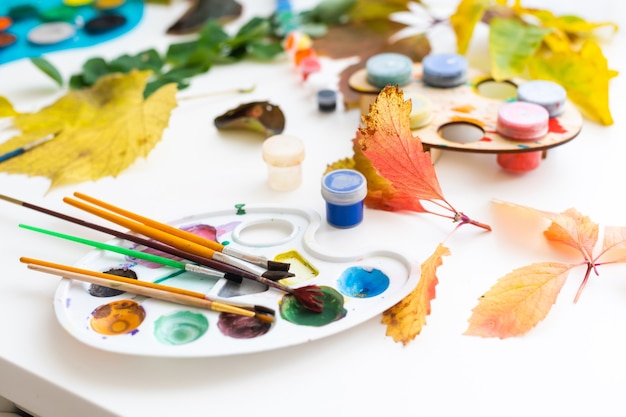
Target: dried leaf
[(464, 19), (388, 142), (257, 116), (6, 108), (103, 130), (201, 11), (584, 74), (573, 229), (406, 319), (511, 45), (569, 228), (518, 301)]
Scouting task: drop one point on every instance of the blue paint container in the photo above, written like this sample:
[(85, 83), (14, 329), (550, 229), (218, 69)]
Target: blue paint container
[(344, 191), (444, 70), (389, 69)]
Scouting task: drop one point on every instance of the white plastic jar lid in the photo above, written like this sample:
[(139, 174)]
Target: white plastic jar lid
[(344, 187), (283, 151)]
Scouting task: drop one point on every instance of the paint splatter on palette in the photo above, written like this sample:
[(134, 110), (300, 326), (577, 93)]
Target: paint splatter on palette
[(356, 288)]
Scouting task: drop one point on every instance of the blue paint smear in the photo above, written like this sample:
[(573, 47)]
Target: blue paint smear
[(132, 10), (359, 282)]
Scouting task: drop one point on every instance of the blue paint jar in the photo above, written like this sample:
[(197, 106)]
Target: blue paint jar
[(444, 70), (389, 69), (344, 191)]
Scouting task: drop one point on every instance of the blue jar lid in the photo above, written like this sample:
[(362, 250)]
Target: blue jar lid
[(344, 187), (389, 69), (444, 70)]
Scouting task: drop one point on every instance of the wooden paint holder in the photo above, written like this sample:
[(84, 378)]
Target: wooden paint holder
[(464, 118)]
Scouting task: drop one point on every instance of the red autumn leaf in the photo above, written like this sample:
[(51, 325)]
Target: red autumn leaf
[(405, 320), (395, 154), (518, 301)]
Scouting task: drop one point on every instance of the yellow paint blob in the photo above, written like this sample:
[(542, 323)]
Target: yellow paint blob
[(117, 317)]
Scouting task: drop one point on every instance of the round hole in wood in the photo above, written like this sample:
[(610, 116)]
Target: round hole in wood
[(498, 90), (461, 132)]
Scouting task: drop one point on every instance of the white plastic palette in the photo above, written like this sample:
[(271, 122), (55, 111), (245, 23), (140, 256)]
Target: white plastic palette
[(142, 326)]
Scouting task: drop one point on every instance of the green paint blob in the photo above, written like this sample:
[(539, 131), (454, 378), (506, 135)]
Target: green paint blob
[(180, 328), (291, 310)]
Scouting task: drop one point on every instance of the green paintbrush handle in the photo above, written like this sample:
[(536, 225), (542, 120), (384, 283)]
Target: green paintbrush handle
[(124, 251)]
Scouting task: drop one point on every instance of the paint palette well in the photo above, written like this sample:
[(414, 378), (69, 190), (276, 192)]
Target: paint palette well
[(356, 288)]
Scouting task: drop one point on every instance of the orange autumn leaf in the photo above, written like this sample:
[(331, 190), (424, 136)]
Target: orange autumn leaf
[(388, 142), (518, 301), (380, 192), (573, 229), (388, 149), (405, 320)]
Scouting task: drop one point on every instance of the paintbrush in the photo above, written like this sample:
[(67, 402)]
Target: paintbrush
[(27, 147), (236, 274), (311, 296), (216, 246), (148, 289), (176, 241), (161, 260)]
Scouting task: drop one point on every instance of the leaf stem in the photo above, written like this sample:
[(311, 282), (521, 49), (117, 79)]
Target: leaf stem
[(464, 219), (590, 266)]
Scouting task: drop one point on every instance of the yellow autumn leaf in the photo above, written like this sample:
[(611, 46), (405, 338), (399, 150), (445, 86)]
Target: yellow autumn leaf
[(464, 19), (405, 320), (518, 301), (6, 108), (585, 76), (100, 131)]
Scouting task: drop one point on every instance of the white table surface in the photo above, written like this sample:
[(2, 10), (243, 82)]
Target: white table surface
[(573, 363)]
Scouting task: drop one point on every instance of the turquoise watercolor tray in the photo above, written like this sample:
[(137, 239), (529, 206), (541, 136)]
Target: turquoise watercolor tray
[(360, 287)]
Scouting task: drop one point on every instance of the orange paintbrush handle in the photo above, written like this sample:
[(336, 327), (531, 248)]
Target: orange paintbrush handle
[(166, 238), (151, 232), (153, 223)]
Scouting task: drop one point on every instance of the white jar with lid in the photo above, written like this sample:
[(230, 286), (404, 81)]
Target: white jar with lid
[(284, 155)]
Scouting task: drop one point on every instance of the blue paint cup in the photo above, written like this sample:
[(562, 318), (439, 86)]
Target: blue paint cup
[(444, 70), (344, 191)]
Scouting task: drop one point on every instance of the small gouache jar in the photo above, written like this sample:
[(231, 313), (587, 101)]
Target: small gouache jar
[(389, 69), (344, 191), (548, 94), (444, 70), (284, 155), (520, 120), (421, 110)]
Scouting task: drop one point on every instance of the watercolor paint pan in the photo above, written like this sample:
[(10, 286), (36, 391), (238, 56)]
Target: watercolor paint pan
[(357, 287)]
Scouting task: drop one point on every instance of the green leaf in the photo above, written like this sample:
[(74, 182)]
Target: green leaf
[(93, 69), (212, 34), (264, 50), (512, 43), (48, 69)]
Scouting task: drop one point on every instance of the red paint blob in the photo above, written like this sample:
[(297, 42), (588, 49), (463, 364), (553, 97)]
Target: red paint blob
[(555, 127)]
